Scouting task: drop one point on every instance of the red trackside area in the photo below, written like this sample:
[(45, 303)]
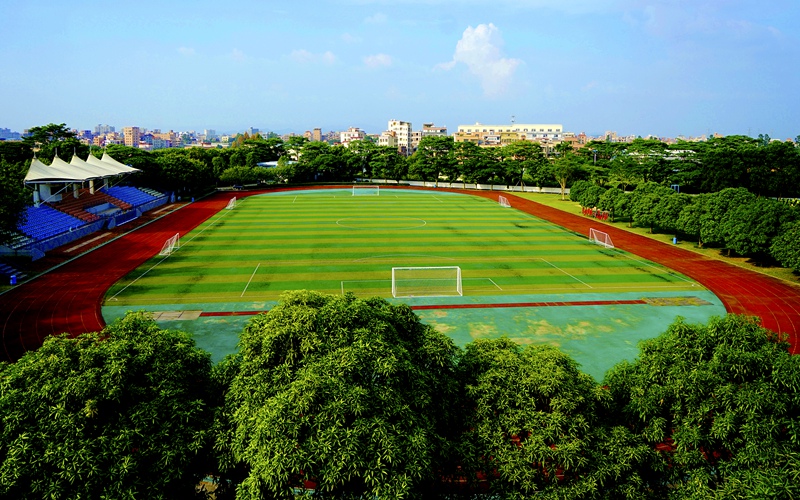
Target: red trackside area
[(68, 298)]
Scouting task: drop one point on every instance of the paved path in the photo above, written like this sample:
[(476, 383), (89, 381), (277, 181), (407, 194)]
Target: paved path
[(68, 298)]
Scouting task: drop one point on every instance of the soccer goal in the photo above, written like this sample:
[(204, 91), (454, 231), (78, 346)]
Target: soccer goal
[(366, 190), (600, 238), (503, 201), (426, 281), (231, 204), (170, 245)]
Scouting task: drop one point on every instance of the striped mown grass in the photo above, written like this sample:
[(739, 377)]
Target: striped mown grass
[(334, 242)]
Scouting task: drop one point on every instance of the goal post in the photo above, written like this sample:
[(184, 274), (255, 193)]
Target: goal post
[(366, 190), (503, 201), (600, 238), (170, 245), (231, 204), (426, 281)]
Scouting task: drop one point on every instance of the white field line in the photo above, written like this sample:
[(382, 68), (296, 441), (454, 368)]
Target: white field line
[(437, 199), (563, 271), (251, 279), (493, 283)]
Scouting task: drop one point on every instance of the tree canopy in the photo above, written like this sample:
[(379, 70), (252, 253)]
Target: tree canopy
[(347, 394), (120, 413)]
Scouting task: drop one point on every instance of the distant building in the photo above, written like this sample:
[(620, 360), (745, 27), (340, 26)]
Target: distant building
[(316, 135), (352, 134), (526, 131), (103, 129), (388, 138), (9, 135), (132, 136), (402, 131)]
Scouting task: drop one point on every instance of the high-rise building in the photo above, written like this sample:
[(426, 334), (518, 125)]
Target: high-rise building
[(316, 135), (132, 136), (103, 129), (402, 131)]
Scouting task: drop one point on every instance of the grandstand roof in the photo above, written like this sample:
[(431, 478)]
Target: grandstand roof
[(76, 171)]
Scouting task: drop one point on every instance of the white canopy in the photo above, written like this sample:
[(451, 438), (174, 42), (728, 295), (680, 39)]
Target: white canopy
[(75, 171)]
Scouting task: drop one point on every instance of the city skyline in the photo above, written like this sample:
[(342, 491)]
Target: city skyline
[(661, 68)]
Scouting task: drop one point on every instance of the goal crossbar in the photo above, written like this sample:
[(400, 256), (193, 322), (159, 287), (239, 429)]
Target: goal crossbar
[(170, 245), (600, 238), (444, 281)]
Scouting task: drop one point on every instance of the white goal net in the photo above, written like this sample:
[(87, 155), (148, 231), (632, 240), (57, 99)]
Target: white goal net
[(426, 281), (600, 238), (503, 201), (170, 245), (366, 190), (231, 204)]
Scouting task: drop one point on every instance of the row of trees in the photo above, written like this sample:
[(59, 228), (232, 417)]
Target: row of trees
[(734, 219), (356, 398)]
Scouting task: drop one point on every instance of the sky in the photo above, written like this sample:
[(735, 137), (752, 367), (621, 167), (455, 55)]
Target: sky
[(660, 67)]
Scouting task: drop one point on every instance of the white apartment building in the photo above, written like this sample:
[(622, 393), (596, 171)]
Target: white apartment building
[(531, 131), (388, 138), (352, 134), (403, 134)]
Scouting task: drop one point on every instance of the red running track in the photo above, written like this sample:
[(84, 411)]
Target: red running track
[(68, 298)]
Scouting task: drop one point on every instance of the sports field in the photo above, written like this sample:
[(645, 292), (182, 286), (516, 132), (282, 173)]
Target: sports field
[(521, 276)]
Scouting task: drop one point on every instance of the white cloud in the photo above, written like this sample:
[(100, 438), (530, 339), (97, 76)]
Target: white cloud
[(302, 56), (186, 51), (480, 49), (378, 18), (238, 55), (348, 38), (378, 60)]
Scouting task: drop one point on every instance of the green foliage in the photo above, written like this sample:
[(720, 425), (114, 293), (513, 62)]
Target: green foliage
[(750, 228), (610, 199), (720, 402), (14, 198), (433, 159), (238, 175), (785, 248), (528, 419), (566, 166), (122, 413), (577, 189), (348, 393), (591, 196), (645, 201)]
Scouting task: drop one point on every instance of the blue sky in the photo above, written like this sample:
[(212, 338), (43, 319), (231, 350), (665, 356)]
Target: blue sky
[(633, 66)]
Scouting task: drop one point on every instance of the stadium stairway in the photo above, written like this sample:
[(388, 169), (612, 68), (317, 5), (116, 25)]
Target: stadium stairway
[(76, 207)]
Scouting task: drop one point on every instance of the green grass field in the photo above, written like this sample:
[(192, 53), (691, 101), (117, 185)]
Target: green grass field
[(334, 242)]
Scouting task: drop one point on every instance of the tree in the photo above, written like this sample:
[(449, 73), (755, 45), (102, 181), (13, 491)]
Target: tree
[(719, 206), (349, 394), (610, 200), (577, 189), (388, 163), (669, 209), (645, 201), (719, 402), (521, 160), (120, 413), (565, 166), (528, 418), (691, 217), (14, 198), (785, 247), (750, 228), (433, 159)]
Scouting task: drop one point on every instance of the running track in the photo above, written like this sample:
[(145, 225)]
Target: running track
[(67, 299)]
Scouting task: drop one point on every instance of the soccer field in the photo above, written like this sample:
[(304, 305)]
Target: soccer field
[(522, 277), (335, 242)]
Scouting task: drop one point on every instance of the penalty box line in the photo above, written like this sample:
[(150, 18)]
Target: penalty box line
[(563, 271)]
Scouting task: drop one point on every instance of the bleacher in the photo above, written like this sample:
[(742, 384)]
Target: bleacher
[(130, 194), (76, 207), (44, 222)]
